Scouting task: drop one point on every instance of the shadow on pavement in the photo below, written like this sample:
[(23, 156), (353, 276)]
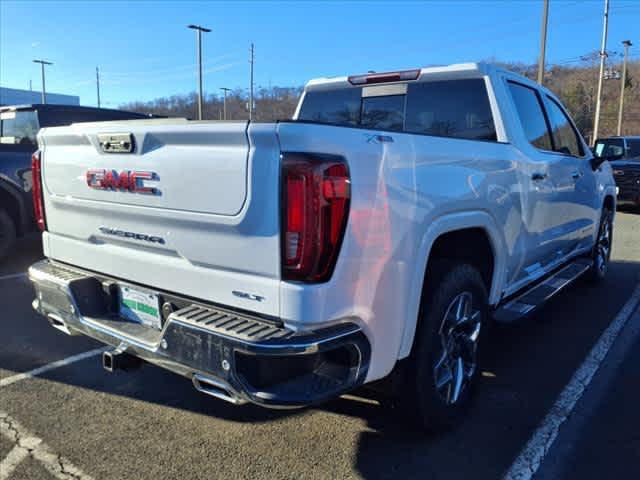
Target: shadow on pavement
[(527, 366), (27, 251)]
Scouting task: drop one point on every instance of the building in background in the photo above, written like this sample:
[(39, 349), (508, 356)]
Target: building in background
[(15, 96)]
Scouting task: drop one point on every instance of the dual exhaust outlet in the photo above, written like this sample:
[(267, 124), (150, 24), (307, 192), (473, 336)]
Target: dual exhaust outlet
[(119, 359)]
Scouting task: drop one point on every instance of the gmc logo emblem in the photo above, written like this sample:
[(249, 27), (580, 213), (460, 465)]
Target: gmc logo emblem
[(102, 179)]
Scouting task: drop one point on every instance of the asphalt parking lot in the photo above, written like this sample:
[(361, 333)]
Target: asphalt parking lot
[(79, 421)]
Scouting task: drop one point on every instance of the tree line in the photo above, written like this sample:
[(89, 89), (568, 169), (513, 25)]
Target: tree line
[(275, 103), (575, 84)]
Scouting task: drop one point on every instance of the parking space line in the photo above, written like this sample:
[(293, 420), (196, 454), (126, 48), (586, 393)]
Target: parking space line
[(9, 464), (531, 457), (13, 275), (50, 366), (27, 444)]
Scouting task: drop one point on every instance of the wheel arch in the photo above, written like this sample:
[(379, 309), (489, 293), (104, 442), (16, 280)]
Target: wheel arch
[(450, 224)]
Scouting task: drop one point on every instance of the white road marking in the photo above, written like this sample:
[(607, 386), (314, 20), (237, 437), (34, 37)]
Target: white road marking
[(9, 464), (27, 444), (14, 275), (530, 458), (50, 366)]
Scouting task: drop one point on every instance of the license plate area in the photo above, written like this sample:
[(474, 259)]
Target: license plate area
[(140, 306)]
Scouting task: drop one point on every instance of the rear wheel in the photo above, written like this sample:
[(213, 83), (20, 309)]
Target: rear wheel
[(7, 234), (602, 249), (447, 351)]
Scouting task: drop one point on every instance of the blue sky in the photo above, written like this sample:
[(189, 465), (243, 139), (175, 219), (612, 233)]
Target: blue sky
[(144, 49)]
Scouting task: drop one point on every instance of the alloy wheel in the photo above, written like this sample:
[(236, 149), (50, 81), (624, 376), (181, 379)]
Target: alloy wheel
[(457, 361), (603, 247)]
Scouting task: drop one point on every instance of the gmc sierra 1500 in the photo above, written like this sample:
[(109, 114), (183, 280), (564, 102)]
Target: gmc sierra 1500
[(380, 230)]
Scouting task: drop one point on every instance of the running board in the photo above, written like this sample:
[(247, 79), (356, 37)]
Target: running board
[(540, 293)]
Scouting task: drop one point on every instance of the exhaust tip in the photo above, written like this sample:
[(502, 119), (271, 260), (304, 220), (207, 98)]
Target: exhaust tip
[(216, 389), (107, 361)]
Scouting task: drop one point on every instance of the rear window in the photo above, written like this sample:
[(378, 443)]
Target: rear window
[(449, 108), (383, 113), (458, 109), (18, 130), (338, 107)]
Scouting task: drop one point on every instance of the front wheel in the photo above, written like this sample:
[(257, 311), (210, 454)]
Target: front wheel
[(602, 249), (446, 355)]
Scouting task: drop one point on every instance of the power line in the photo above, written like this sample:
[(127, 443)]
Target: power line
[(190, 66)]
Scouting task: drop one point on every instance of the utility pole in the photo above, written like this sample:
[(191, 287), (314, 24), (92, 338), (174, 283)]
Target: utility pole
[(543, 41), (627, 44), (603, 56), (199, 29), (42, 64), (30, 86), (98, 85), (224, 101), (251, 60)]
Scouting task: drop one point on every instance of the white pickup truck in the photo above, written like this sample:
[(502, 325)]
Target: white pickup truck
[(379, 231)]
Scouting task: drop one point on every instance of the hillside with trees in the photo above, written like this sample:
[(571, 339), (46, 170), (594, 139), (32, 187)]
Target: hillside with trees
[(574, 83)]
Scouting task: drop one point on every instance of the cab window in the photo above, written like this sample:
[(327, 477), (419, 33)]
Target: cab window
[(609, 148), (565, 138), (532, 119)]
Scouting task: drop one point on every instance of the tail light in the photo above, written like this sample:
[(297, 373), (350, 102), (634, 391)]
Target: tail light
[(36, 189), (315, 206)]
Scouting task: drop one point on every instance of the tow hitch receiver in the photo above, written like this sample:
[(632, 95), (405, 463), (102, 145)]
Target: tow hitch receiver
[(119, 359)]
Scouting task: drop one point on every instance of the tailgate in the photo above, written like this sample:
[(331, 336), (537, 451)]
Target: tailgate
[(192, 208)]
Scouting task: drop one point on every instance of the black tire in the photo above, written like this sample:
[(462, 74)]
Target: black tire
[(7, 234), (436, 408), (602, 249)]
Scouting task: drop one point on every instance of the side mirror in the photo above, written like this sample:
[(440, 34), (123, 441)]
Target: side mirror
[(596, 162)]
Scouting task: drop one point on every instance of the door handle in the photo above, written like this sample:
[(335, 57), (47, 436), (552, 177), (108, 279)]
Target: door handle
[(537, 176), (576, 175)]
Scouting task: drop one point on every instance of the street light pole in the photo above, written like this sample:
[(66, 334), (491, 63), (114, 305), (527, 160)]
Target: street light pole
[(627, 44), (224, 102), (199, 29), (98, 85), (42, 64), (543, 41), (251, 62), (603, 55)]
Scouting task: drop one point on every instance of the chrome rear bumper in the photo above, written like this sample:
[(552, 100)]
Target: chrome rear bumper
[(230, 355)]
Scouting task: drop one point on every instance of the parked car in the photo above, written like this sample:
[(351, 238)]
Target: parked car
[(19, 126), (624, 155), (377, 233)]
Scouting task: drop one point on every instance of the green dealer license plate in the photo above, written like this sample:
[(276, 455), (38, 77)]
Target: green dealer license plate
[(140, 306)]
